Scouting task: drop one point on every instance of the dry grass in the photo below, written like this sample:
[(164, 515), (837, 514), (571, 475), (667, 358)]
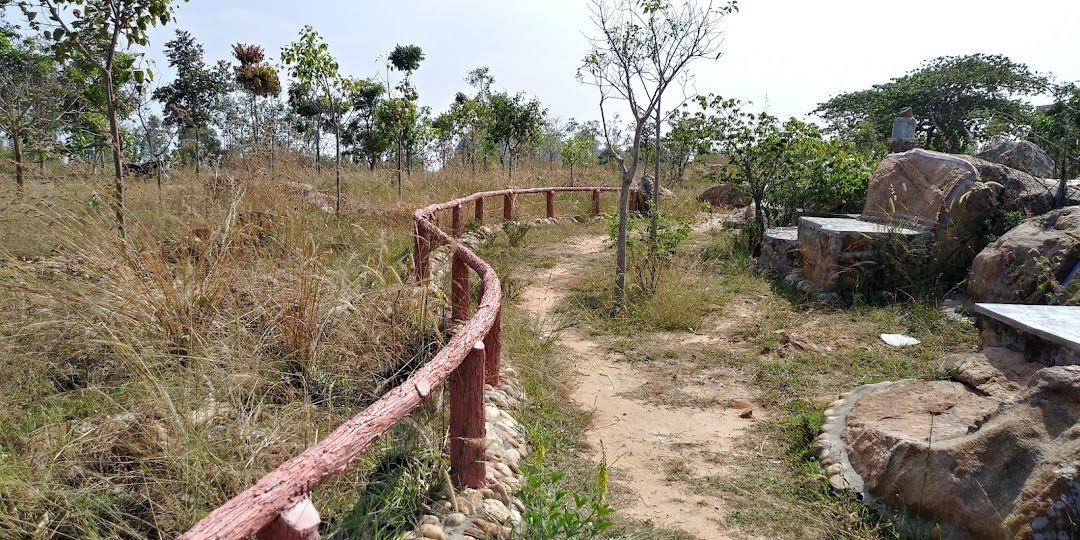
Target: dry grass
[(147, 381)]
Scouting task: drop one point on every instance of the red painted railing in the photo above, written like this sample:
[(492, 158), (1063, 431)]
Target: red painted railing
[(278, 506)]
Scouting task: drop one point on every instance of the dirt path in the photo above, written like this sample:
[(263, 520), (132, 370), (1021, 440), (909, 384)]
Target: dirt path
[(658, 449)]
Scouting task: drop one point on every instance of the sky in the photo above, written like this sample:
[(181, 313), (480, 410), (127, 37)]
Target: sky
[(784, 56)]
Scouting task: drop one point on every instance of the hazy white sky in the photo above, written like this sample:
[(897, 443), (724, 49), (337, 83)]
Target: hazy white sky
[(784, 55)]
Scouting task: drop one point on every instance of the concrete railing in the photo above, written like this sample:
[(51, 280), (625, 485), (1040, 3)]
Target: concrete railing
[(279, 506)]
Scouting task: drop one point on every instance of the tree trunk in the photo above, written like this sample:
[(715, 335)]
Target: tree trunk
[(654, 224), (337, 167), (254, 124), (117, 151), (198, 158), (399, 166), (17, 150), (620, 252), (318, 150)]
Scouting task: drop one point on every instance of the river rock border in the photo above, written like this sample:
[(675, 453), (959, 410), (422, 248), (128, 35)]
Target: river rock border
[(492, 512)]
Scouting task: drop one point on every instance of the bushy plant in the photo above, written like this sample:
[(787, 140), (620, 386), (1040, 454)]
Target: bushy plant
[(515, 232), (553, 512), (650, 255)]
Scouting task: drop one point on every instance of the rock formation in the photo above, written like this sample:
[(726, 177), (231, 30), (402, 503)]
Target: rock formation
[(994, 453), (1023, 156), (725, 195), (1029, 264)]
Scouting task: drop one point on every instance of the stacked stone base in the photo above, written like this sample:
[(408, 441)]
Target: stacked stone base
[(842, 257)]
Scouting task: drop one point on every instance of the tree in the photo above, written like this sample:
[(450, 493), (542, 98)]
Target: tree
[(305, 104), (784, 168), (515, 124), (642, 47), (34, 100), (954, 97), (1057, 126), (575, 152), (97, 31), (311, 66), (362, 134), (687, 140), (257, 78), (398, 115), (190, 99)]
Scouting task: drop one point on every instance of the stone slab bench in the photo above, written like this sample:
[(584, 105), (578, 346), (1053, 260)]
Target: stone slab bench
[(1050, 334), (843, 255)]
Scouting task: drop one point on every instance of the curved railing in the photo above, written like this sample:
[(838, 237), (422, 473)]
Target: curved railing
[(279, 506)]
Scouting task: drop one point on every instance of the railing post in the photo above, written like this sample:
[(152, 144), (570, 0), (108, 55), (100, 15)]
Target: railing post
[(421, 252), (456, 223), (467, 421), (633, 200), (493, 351), (479, 211), (459, 288), (549, 200), (300, 522), (596, 202), (508, 207)]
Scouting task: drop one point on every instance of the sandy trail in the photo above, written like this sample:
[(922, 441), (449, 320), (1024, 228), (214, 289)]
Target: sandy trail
[(657, 449)]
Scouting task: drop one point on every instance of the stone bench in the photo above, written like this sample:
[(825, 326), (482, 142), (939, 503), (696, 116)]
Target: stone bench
[(845, 255), (1048, 334)]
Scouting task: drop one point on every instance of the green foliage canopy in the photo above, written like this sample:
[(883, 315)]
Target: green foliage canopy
[(954, 97)]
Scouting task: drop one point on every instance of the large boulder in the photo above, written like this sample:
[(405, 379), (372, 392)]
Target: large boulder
[(994, 453), (965, 201), (724, 195), (1028, 264), (1020, 155)]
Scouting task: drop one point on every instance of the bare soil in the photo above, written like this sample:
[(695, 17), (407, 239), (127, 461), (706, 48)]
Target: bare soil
[(667, 424)]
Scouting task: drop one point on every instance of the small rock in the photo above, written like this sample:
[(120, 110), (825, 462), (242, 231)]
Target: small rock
[(429, 519), (748, 413), (454, 519), (434, 532), (495, 511)]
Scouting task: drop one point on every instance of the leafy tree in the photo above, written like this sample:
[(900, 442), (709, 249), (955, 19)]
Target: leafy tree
[(641, 48), (515, 124), (575, 152), (953, 97), (34, 100), (784, 168), (687, 140), (190, 99), (97, 31), (305, 104), (1057, 126), (312, 66), (257, 78), (398, 115), (363, 133)]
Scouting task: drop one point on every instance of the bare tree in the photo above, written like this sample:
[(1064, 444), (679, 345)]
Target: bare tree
[(641, 49)]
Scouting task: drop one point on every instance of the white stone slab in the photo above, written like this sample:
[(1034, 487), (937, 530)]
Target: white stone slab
[(856, 226), (1056, 324), (783, 233)]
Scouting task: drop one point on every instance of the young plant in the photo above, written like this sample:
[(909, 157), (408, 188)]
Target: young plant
[(552, 512)]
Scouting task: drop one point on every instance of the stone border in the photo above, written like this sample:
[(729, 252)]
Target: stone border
[(829, 446)]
